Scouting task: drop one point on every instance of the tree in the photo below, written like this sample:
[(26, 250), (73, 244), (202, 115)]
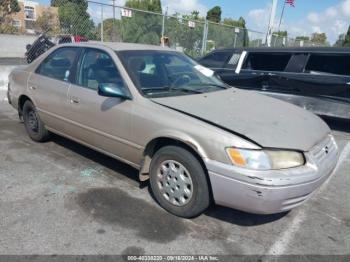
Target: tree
[(8, 7), (347, 39), (142, 27), (281, 33), (340, 41), (236, 23), (81, 3), (109, 27), (233, 34), (214, 14), (319, 38), (181, 35), (47, 23), (302, 38), (74, 18), (147, 5)]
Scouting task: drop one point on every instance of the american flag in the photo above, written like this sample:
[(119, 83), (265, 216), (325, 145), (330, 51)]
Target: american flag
[(290, 2)]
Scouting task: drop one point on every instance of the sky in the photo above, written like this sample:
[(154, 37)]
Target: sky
[(308, 16)]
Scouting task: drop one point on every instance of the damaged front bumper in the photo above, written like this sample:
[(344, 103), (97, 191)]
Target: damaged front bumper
[(273, 191)]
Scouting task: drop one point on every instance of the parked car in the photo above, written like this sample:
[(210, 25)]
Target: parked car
[(317, 79), (39, 46), (44, 43), (194, 137)]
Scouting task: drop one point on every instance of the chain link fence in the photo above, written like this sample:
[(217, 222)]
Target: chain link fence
[(112, 23)]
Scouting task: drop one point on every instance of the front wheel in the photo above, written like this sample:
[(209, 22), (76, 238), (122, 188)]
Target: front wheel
[(178, 182), (34, 126)]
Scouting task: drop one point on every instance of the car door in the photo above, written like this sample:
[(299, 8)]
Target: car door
[(48, 86), (283, 81), (323, 84), (101, 122), (253, 74)]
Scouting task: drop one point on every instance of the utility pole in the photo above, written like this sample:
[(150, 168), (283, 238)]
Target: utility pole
[(271, 23), (205, 38), (163, 25), (101, 22), (114, 32)]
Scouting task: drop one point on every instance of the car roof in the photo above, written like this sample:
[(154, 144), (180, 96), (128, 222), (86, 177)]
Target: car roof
[(117, 46), (288, 49)]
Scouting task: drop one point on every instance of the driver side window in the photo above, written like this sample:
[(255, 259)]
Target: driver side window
[(97, 67)]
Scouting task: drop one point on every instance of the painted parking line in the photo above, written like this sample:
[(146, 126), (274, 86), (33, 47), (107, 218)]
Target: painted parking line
[(281, 244)]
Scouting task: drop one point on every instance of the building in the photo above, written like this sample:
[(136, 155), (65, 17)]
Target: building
[(25, 19)]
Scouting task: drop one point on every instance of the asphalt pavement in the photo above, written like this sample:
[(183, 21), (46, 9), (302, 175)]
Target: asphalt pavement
[(62, 198)]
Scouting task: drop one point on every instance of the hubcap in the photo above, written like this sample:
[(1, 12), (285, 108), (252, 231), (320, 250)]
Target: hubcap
[(32, 121), (174, 182)]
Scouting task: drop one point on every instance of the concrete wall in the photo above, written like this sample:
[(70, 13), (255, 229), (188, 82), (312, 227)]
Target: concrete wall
[(5, 70), (14, 45)]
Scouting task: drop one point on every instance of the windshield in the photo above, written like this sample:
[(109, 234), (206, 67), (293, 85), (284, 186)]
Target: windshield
[(167, 73)]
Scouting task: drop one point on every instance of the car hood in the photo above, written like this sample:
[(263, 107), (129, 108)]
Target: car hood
[(267, 121)]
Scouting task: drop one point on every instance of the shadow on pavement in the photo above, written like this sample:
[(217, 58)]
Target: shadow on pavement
[(99, 158), (241, 218), (218, 212)]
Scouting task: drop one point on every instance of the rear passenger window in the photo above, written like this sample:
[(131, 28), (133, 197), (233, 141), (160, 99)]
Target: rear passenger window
[(328, 64), (59, 64), (267, 61), (96, 68), (232, 63), (216, 59)]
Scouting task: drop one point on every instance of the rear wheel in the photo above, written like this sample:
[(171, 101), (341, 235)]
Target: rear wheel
[(33, 124), (178, 182)]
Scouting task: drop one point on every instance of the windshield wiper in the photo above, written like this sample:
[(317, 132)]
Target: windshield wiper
[(214, 85), (186, 90), (150, 90)]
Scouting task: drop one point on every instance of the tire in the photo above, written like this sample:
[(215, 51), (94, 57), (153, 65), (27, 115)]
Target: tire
[(187, 194), (33, 124)]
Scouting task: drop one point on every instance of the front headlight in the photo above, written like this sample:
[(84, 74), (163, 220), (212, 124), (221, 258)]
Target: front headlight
[(265, 159)]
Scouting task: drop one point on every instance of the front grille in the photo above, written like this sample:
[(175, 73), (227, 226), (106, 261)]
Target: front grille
[(323, 149)]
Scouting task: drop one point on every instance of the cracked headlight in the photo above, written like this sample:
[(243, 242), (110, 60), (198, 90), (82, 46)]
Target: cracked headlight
[(265, 159)]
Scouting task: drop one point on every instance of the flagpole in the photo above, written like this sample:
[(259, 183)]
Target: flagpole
[(279, 25)]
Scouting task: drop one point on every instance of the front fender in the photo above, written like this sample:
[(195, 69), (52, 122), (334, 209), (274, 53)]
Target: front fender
[(167, 134)]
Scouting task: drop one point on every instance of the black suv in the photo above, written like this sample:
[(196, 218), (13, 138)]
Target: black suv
[(317, 79)]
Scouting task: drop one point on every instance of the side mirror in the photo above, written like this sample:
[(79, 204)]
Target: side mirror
[(28, 47), (112, 90)]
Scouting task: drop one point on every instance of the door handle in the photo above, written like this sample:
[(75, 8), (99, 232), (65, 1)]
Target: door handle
[(74, 100), (32, 88)]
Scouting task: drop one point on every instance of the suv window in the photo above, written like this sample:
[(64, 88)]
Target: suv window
[(267, 61), (216, 59), (329, 64), (233, 62), (97, 67), (59, 64)]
